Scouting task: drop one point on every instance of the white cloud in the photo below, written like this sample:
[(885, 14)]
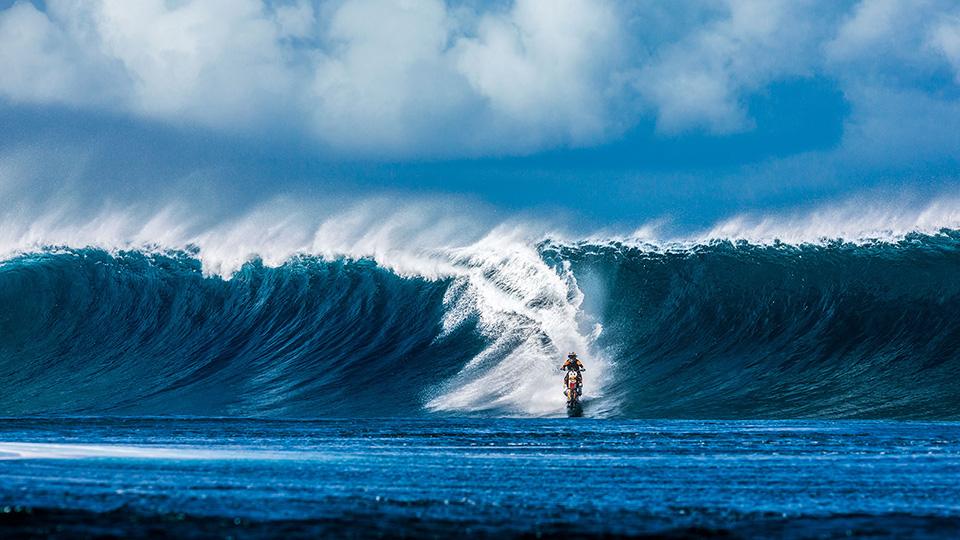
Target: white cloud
[(888, 57), (40, 61), (386, 83), (296, 20), (869, 26), (885, 41), (545, 68), (421, 78), (702, 79), (945, 38), (383, 77), (217, 62)]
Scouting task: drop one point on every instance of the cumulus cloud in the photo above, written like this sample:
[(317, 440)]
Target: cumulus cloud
[(386, 81), (44, 62), (871, 25), (422, 78), (368, 76), (701, 80), (217, 61), (885, 41), (889, 57), (945, 39), (548, 71)]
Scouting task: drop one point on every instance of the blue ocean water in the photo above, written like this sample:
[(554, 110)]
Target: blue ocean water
[(424, 477), (717, 330), (731, 388)]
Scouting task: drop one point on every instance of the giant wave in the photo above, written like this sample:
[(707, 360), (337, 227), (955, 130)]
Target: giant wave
[(715, 329)]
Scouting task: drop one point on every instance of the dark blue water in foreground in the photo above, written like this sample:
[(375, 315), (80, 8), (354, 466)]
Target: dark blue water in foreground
[(434, 477)]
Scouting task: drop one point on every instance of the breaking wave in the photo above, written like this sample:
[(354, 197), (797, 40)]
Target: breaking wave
[(715, 329)]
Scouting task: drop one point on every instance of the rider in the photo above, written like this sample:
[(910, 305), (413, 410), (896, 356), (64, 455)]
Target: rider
[(573, 366), (572, 363)]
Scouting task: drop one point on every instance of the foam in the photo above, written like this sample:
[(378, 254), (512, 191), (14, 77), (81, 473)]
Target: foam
[(38, 450), (526, 308)]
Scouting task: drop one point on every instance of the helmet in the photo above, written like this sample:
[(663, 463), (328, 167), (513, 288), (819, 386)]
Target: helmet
[(572, 355)]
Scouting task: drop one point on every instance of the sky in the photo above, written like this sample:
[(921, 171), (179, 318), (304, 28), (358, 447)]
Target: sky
[(595, 112)]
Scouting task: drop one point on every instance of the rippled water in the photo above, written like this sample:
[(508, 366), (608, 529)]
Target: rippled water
[(436, 476)]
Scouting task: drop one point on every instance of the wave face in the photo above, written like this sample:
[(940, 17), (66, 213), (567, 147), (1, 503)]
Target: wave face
[(734, 330), (718, 330), (87, 332)]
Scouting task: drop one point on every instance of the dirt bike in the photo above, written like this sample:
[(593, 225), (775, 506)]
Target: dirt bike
[(574, 387)]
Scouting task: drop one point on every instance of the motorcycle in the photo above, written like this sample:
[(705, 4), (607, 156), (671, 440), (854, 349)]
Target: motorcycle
[(573, 383)]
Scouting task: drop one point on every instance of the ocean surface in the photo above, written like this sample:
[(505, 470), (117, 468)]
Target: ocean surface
[(750, 389), (484, 477)]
